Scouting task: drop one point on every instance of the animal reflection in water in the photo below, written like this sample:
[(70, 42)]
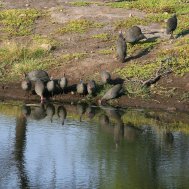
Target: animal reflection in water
[(81, 108), (42, 110), (26, 110), (62, 113), (50, 110), (131, 133), (90, 111), (116, 128), (111, 122), (34, 111)]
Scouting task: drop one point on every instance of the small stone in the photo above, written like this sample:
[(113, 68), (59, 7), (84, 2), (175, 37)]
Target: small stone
[(72, 93), (171, 109), (187, 86), (22, 15), (130, 15), (46, 47), (27, 5)]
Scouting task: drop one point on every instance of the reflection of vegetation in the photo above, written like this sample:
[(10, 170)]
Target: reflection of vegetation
[(157, 119), (10, 109)]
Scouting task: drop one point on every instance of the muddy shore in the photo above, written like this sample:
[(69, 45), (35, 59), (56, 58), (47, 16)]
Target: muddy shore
[(13, 91)]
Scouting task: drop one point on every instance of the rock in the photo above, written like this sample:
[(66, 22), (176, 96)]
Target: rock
[(47, 47)]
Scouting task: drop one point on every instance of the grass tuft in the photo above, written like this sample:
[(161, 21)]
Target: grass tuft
[(80, 3), (102, 36), (16, 59), (18, 22), (74, 56), (153, 6), (79, 26)]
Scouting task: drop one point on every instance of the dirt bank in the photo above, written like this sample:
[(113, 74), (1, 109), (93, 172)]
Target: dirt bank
[(84, 54), (13, 91)]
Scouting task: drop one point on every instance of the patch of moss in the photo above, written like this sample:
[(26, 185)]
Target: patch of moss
[(158, 17), (74, 56), (102, 36), (180, 62), (106, 51), (79, 26), (141, 45), (18, 22), (136, 70), (153, 6), (40, 39), (183, 24), (80, 3)]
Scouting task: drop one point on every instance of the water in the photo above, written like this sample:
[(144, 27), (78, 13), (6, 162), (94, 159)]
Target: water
[(66, 146)]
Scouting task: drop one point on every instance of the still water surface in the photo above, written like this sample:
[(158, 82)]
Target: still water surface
[(66, 146)]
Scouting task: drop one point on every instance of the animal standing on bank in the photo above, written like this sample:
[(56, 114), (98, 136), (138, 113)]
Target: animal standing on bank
[(81, 88), (51, 86), (91, 87), (105, 77), (26, 86), (171, 25), (40, 89), (63, 82), (121, 48)]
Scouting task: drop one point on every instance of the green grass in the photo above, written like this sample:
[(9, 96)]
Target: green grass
[(18, 22), (106, 51), (29, 64), (180, 51), (153, 6), (129, 22), (102, 36), (79, 26), (136, 70), (74, 56), (150, 18), (131, 49), (16, 59), (40, 39), (183, 24)]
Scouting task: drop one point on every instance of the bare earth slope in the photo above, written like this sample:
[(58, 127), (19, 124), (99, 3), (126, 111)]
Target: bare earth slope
[(93, 52)]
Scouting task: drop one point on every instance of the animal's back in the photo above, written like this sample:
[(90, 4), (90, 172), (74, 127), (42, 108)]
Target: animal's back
[(38, 75), (171, 24)]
